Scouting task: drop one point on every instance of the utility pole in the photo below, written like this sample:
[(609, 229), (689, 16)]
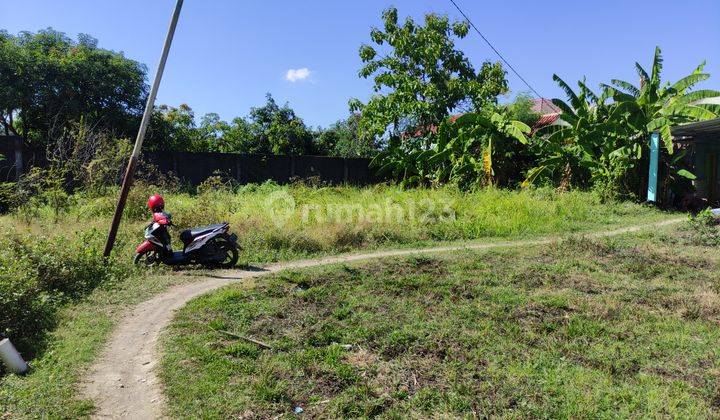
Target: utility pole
[(130, 171)]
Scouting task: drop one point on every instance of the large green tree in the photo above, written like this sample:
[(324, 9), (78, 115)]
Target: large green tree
[(344, 138), (277, 130), (174, 129), (48, 80), (420, 76)]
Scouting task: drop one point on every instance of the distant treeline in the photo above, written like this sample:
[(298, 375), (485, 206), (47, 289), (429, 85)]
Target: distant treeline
[(48, 82)]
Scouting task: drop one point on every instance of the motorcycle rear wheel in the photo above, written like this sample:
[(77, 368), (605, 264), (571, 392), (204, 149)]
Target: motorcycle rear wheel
[(229, 250), (147, 258)]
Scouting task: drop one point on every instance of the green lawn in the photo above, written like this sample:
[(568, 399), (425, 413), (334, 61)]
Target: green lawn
[(621, 327), (46, 257), (277, 223)]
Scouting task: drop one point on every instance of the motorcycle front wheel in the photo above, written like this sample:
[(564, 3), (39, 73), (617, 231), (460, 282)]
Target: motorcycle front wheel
[(147, 258)]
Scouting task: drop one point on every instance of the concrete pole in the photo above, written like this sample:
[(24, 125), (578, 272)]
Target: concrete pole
[(130, 171), (11, 358), (653, 169)]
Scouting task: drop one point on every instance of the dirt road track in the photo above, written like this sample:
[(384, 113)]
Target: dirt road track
[(123, 384)]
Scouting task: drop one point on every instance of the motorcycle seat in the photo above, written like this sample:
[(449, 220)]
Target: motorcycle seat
[(188, 235)]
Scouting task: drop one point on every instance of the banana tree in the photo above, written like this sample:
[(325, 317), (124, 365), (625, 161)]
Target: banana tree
[(466, 146), (573, 150), (655, 106), (461, 152), (404, 160)]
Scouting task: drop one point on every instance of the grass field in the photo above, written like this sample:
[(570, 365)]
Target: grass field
[(52, 271), (287, 222), (622, 327)]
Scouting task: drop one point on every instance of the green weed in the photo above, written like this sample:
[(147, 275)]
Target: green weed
[(615, 328)]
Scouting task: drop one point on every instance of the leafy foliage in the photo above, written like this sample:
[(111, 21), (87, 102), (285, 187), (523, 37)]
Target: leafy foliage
[(269, 129), (654, 106), (419, 76), (344, 138), (40, 274), (462, 151), (49, 80), (603, 139)]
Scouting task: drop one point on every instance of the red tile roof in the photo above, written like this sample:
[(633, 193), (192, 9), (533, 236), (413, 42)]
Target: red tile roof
[(545, 106)]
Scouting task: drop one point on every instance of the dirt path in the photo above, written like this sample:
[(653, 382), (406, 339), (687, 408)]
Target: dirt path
[(122, 383)]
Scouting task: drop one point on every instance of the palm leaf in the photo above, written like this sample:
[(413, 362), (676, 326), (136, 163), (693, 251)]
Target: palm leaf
[(517, 130), (714, 108), (560, 136), (644, 77), (700, 67), (689, 111), (628, 87), (686, 174), (666, 137), (533, 174), (587, 92), (697, 95), (574, 100), (657, 123), (657, 66), (567, 112), (439, 157), (689, 81), (618, 95)]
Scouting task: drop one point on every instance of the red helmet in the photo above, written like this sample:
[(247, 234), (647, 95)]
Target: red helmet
[(156, 203)]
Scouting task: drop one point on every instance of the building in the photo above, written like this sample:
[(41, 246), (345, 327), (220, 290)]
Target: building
[(702, 142), (549, 113)]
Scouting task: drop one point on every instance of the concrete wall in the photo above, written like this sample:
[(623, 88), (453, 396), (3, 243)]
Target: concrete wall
[(13, 152), (703, 162), (194, 168)]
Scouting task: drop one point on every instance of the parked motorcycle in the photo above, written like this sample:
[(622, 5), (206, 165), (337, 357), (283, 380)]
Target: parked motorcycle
[(210, 246)]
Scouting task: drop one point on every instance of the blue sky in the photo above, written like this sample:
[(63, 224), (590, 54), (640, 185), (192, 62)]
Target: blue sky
[(228, 54)]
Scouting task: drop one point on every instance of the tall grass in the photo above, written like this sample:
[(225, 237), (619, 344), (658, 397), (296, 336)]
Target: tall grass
[(53, 258), (51, 263), (280, 222), (40, 274)]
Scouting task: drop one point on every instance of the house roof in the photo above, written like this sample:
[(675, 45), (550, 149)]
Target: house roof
[(544, 106), (698, 129)]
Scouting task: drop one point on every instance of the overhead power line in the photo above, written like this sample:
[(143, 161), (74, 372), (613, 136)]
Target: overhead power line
[(496, 51)]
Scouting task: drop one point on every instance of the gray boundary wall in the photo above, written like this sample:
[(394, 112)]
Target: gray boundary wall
[(194, 168)]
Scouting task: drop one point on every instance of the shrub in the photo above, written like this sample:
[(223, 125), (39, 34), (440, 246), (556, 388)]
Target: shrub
[(7, 196), (39, 274), (217, 183), (704, 229)]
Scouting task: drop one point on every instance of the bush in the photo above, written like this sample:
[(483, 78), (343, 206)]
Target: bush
[(7, 196), (704, 229), (39, 274)]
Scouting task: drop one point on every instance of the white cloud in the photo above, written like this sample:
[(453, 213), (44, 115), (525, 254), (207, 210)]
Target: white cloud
[(295, 75)]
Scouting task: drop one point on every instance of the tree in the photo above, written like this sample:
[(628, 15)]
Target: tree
[(49, 80), (572, 151), (235, 137), (173, 129), (420, 77), (654, 106), (604, 144), (462, 151), (277, 130), (343, 138), (521, 109)]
